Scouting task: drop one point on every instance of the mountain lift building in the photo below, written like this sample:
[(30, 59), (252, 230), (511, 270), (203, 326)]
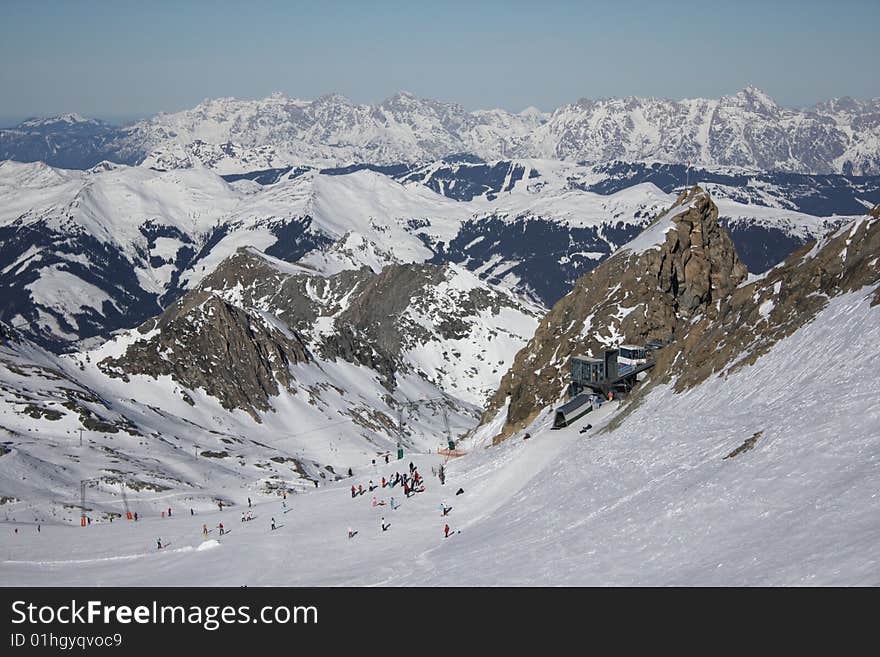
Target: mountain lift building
[(592, 379)]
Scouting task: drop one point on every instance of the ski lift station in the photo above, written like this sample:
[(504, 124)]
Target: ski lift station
[(595, 379)]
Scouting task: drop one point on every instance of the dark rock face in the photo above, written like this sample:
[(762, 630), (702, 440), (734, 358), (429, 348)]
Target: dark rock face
[(205, 342), (752, 318), (631, 297), (239, 332), (731, 324)]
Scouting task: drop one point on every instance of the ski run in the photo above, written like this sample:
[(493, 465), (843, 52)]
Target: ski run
[(650, 502)]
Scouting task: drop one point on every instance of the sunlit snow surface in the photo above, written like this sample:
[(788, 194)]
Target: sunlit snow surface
[(652, 502)]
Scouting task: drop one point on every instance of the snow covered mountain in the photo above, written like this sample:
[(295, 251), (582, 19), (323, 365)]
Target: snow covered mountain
[(266, 373), (746, 129), (84, 253), (681, 283), (749, 459)]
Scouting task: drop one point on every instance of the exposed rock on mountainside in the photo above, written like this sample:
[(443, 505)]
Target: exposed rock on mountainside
[(715, 323), (756, 316), (240, 331), (205, 342), (675, 272)]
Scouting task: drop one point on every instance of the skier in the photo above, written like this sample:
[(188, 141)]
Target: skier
[(351, 532), (383, 482), (242, 516), (353, 492), (394, 505), (384, 526), (220, 504), (204, 530), (372, 486), (135, 516), (386, 459), (349, 473), (411, 467), (284, 494), (374, 501), (158, 543), (249, 503), (445, 509), (360, 490), (38, 526), (273, 524), (220, 527), (191, 512), (446, 531), (460, 491), (316, 483), (169, 511)]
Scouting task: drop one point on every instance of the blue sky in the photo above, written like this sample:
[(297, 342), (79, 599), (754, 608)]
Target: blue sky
[(125, 59)]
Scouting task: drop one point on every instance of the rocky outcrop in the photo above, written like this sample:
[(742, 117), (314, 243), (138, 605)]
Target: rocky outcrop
[(754, 317), (205, 342), (238, 332), (676, 272)]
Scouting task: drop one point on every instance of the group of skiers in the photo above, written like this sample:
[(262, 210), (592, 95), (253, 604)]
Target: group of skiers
[(412, 483)]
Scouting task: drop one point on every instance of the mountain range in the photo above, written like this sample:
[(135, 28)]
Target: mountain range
[(252, 297), (84, 253), (746, 129)]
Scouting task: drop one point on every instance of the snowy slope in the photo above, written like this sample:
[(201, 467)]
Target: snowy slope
[(170, 443), (651, 502), (268, 373)]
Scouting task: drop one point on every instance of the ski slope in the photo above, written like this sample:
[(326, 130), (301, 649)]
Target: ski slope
[(652, 502)]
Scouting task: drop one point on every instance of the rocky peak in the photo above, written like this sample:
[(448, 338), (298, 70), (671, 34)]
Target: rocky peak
[(756, 316), (652, 288), (754, 100), (203, 341)]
